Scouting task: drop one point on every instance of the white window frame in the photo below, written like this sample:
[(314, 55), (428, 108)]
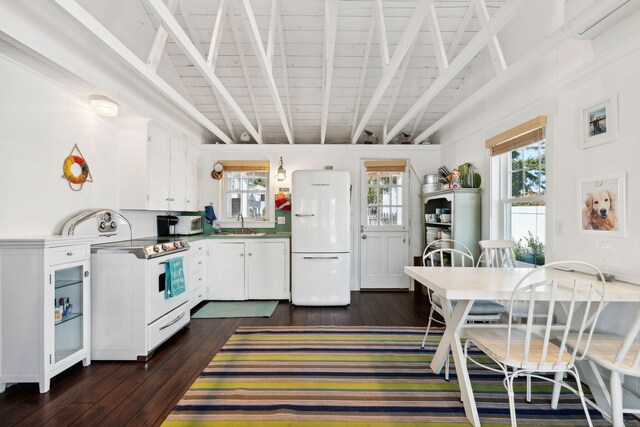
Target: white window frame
[(249, 222), (504, 162)]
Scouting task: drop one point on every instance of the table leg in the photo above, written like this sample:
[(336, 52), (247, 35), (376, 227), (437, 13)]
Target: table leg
[(451, 340)]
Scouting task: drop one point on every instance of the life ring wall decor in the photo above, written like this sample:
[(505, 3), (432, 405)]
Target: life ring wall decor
[(67, 169)]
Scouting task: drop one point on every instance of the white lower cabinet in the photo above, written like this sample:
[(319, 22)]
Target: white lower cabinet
[(44, 308), (196, 273), (226, 271), (267, 270), (249, 269)]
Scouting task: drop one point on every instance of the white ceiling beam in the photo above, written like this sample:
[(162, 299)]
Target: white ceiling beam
[(396, 91), (506, 13), (273, 23), (590, 14), (457, 37), (212, 55), (245, 70), (285, 73), (382, 33), (407, 38), (436, 39), (495, 50), (216, 35), (181, 38), (89, 22), (363, 73), (261, 56), (160, 41), (330, 27), (439, 50)]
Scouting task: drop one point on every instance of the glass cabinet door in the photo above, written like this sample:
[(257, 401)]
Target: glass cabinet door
[(67, 308)]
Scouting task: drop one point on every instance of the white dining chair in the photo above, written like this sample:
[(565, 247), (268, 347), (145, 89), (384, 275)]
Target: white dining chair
[(448, 252), (621, 356), (497, 253), (534, 349)]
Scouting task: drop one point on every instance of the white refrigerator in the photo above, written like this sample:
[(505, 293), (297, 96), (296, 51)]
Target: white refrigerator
[(320, 238)]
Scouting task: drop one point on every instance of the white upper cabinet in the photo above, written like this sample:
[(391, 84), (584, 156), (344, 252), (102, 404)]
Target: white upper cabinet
[(193, 179), (158, 171), (158, 160)]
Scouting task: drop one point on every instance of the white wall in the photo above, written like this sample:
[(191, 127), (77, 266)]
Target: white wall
[(424, 159), (560, 86), (39, 122)]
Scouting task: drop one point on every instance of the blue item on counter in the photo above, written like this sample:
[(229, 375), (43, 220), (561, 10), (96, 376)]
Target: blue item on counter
[(174, 278), (209, 214)]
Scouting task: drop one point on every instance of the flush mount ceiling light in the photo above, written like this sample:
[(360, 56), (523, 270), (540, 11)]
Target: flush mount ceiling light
[(103, 106), (282, 174), (244, 136)]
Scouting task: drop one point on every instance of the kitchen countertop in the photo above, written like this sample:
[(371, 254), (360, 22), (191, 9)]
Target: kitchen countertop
[(274, 235)]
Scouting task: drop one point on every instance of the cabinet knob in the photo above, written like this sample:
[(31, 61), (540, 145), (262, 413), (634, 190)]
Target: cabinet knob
[(69, 253), (241, 254), (172, 199), (167, 199), (188, 201), (249, 253), (199, 262), (200, 279)]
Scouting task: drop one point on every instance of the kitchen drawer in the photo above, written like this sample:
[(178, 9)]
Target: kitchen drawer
[(196, 263), (167, 325), (68, 254)]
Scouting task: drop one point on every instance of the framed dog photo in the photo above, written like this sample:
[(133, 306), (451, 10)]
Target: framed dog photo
[(602, 205), (600, 122)]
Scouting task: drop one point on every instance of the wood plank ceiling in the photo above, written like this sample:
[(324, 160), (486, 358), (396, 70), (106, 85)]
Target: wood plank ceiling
[(323, 71)]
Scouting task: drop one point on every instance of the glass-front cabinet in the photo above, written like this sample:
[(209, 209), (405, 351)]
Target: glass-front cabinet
[(45, 298), (68, 310)]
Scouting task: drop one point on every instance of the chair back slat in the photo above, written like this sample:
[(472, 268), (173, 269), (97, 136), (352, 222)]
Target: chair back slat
[(583, 293), (458, 254), (497, 253)]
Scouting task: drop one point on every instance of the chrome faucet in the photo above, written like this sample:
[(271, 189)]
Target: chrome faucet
[(241, 218)]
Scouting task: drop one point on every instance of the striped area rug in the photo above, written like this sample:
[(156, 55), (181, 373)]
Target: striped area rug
[(356, 376)]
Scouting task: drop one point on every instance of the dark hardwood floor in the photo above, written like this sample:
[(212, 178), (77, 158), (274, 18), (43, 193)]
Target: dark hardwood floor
[(136, 393)]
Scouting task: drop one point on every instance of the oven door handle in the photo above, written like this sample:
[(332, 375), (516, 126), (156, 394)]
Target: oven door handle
[(177, 319)]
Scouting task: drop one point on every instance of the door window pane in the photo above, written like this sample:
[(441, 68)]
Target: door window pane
[(384, 198)]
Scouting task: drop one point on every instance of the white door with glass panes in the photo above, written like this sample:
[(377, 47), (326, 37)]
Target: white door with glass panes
[(384, 228)]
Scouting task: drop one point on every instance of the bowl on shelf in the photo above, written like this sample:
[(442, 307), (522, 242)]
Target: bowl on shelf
[(445, 217)]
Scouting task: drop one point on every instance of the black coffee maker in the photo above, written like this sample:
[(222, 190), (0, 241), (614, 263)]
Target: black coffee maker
[(166, 225)]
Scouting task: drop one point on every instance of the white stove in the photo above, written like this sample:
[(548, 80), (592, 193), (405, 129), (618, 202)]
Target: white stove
[(130, 315)]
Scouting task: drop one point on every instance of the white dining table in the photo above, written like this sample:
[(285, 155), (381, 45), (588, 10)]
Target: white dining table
[(464, 285)]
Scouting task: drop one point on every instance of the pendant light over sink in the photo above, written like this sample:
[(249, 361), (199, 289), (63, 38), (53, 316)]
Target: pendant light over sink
[(282, 174)]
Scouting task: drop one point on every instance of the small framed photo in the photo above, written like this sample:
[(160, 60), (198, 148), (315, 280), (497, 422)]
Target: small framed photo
[(602, 205), (600, 122)]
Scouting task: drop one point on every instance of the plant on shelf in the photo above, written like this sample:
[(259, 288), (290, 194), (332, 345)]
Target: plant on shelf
[(531, 251)]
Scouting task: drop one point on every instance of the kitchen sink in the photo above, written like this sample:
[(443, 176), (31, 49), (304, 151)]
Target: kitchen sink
[(239, 235)]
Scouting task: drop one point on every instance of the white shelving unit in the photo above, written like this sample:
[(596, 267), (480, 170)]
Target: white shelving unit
[(465, 225), (45, 313)]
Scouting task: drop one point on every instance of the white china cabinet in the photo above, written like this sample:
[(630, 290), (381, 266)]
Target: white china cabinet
[(44, 308)]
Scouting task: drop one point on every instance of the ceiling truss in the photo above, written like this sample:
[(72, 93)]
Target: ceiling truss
[(403, 54)]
